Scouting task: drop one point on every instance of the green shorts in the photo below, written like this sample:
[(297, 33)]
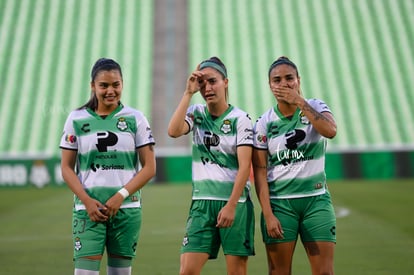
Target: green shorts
[(119, 235), (203, 236), (312, 218)]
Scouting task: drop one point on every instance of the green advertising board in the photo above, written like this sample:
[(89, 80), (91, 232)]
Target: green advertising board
[(37, 171)]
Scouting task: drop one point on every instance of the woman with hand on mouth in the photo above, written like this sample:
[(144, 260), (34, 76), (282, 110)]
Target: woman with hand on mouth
[(290, 141), (221, 212)]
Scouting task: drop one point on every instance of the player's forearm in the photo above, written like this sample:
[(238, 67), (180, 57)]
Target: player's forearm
[(262, 189), (323, 123), (239, 185), (147, 171), (72, 181), (177, 125), (262, 192), (140, 179)]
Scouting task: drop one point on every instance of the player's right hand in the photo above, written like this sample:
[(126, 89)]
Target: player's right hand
[(96, 211), (195, 81)]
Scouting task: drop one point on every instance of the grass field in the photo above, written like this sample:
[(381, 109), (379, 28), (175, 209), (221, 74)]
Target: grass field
[(375, 231)]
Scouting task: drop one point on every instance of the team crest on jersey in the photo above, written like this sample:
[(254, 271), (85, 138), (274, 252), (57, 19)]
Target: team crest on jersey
[(303, 119), (226, 127), (122, 124), (197, 120)]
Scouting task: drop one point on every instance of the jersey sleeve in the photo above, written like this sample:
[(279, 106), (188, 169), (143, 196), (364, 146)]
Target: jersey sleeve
[(319, 105), (244, 130), (189, 117), (69, 139), (144, 133), (260, 134)]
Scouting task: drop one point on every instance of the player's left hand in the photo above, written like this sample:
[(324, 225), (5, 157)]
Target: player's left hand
[(113, 204), (225, 217)]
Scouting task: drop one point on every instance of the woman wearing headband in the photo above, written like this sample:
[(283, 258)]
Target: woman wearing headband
[(103, 144), (221, 212), (289, 171)]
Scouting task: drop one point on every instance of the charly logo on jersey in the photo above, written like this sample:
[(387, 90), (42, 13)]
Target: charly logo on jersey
[(85, 128), (122, 124), (226, 127), (303, 118)]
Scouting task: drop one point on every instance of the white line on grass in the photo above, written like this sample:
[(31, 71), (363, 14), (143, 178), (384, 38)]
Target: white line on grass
[(342, 212), (13, 239)]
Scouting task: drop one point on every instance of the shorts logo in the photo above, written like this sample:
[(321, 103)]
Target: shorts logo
[(247, 244), (78, 244), (185, 240), (333, 230)]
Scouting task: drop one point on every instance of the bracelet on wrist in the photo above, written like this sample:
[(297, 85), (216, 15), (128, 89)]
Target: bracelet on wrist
[(123, 192)]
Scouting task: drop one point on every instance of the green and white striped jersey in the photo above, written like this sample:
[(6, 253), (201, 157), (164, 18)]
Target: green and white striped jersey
[(214, 151), (296, 152), (106, 150)]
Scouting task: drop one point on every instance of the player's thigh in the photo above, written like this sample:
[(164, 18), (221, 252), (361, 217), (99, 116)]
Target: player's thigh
[(236, 264), (288, 218), (280, 255), (192, 262), (88, 237), (319, 221), (202, 235), (123, 232), (238, 240), (321, 256)]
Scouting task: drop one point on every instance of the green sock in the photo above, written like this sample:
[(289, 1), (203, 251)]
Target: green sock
[(119, 266), (85, 266)]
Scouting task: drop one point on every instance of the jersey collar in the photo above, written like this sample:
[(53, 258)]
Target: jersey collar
[(91, 112), (282, 117)]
